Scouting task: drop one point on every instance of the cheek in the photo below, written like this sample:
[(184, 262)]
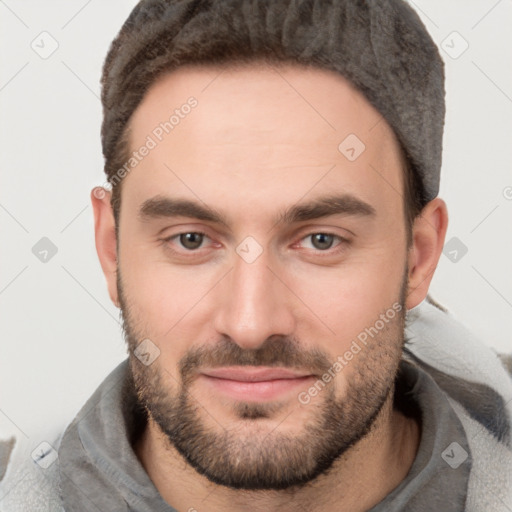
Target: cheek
[(165, 301), (342, 302), (157, 291)]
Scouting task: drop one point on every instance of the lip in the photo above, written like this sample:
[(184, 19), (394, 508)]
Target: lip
[(247, 374), (254, 384)]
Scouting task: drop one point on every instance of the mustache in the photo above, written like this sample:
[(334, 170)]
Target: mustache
[(275, 351)]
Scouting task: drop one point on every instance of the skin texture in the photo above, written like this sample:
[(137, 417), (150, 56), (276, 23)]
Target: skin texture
[(260, 140)]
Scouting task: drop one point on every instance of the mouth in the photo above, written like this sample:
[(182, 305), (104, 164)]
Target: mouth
[(255, 384)]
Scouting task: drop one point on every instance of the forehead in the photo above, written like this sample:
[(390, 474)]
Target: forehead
[(271, 97), (260, 128)]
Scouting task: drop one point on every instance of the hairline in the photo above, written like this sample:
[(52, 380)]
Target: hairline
[(242, 63)]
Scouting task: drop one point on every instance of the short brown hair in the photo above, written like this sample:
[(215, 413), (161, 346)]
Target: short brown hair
[(148, 46)]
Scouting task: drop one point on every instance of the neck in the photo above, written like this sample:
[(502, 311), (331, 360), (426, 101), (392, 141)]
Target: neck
[(357, 481)]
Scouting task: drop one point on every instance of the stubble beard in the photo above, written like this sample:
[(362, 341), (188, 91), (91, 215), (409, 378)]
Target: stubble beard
[(250, 455)]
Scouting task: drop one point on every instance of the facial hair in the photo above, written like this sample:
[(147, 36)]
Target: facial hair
[(248, 456)]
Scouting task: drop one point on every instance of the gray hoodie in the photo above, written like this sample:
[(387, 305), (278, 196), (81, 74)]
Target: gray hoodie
[(459, 387), (100, 471)]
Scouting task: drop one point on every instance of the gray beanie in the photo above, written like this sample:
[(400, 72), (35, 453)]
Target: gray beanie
[(381, 46)]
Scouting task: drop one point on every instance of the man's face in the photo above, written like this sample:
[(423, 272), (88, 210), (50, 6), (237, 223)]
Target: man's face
[(310, 294)]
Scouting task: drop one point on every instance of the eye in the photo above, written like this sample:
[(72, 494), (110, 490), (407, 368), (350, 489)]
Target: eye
[(191, 240), (324, 241)]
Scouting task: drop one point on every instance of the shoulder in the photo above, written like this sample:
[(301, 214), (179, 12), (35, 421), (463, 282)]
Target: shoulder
[(29, 475), (477, 382), (465, 368)]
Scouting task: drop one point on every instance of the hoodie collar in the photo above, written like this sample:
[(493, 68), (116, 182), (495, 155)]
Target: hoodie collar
[(99, 469)]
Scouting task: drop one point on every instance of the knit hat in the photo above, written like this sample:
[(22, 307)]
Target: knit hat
[(382, 47)]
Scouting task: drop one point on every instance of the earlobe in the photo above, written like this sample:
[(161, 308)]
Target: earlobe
[(428, 235), (105, 238)]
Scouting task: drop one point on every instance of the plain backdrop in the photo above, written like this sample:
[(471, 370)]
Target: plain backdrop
[(60, 334)]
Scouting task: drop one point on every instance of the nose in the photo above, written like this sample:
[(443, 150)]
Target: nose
[(253, 303)]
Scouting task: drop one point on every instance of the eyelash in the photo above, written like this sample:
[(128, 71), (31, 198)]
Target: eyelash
[(343, 242)]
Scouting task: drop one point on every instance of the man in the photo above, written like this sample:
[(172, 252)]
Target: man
[(272, 229)]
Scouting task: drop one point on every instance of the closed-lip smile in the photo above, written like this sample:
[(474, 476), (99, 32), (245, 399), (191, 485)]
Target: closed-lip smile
[(253, 374), (254, 384)]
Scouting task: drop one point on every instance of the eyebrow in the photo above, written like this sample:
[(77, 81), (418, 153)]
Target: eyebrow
[(345, 204)]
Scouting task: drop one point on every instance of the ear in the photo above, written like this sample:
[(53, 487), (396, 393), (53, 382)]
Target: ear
[(429, 231), (105, 236)]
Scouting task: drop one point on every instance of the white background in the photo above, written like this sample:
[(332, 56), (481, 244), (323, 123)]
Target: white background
[(60, 334)]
